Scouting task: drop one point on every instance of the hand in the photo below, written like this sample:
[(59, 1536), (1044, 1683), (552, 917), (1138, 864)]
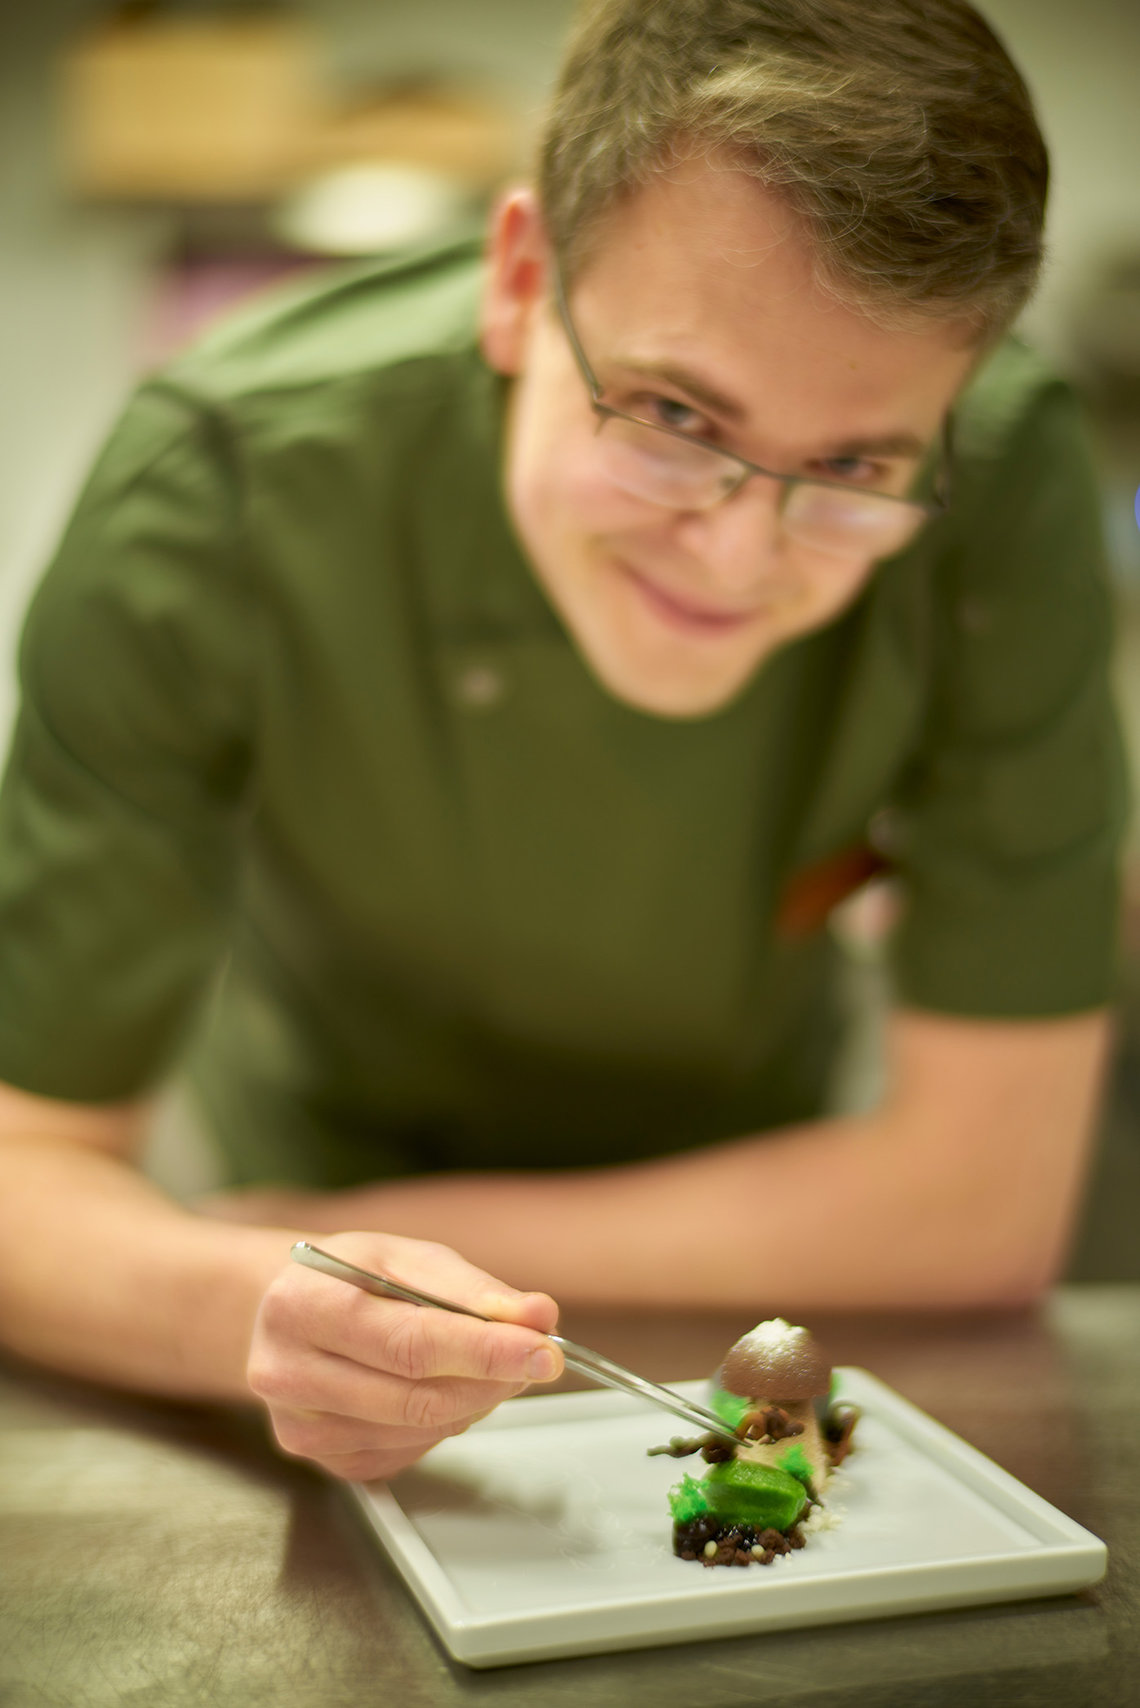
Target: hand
[(362, 1385)]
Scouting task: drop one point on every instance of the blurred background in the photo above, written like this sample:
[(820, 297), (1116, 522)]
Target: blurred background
[(160, 161)]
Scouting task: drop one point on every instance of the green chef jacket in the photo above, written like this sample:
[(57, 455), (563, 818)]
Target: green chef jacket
[(311, 789)]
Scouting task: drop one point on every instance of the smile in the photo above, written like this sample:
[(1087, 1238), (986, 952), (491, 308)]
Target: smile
[(684, 614)]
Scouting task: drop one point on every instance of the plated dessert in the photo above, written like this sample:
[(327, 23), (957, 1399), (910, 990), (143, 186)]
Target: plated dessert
[(761, 1497)]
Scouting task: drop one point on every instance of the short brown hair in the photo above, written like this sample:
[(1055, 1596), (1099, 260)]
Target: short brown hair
[(898, 130)]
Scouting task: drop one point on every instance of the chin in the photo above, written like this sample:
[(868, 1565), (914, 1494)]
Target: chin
[(665, 695)]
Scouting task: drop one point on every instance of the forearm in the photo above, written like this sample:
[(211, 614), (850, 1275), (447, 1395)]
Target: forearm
[(959, 1191), (813, 1218), (103, 1277), (750, 1222)]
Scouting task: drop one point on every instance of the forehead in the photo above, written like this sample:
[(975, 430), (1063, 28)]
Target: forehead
[(706, 270)]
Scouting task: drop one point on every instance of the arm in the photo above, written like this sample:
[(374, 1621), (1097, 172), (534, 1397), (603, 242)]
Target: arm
[(103, 1277), (958, 1191)]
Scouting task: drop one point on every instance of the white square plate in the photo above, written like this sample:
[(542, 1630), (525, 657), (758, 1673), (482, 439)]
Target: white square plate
[(545, 1531)]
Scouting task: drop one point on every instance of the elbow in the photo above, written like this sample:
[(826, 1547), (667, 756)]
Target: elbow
[(970, 1250), (1015, 1293), (1008, 1271), (1033, 1278)]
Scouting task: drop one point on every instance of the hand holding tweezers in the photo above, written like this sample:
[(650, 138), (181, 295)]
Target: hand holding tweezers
[(590, 1364)]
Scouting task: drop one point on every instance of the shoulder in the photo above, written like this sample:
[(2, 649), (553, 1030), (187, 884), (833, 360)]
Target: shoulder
[(1020, 421), (1008, 387), (350, 328), (326, 359), (1025, 519)]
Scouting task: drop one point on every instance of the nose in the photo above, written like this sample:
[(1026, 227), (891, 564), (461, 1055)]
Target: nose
[(736, 541)]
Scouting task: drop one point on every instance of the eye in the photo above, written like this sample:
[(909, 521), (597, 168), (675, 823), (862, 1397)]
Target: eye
[(859, 471), (670, 412)]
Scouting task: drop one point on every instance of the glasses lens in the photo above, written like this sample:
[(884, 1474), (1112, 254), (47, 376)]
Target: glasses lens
[(665, 469), (655, 465), (831, 520)]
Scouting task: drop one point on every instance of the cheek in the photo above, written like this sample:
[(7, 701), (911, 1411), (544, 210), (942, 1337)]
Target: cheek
[(555, 484), (553, 474), (838, 581)]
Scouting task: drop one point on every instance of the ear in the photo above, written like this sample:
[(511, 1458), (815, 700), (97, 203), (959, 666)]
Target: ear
[(518, 274)]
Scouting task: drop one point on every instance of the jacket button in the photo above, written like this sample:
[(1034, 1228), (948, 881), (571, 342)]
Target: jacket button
[(479, 687)]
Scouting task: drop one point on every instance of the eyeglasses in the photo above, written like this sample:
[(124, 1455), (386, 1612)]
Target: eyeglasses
[(671, 468)]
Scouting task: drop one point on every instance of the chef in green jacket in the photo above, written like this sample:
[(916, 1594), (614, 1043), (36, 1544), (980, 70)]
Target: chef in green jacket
[(464, 691)]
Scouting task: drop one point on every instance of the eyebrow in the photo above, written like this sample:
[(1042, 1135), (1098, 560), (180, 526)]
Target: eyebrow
[(900, 444), (883, 445), (683, 380)]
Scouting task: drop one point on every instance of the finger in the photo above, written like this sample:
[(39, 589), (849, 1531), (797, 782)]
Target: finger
[(383, 1457), (321, 1384), (413, 1342), (367, 1466), (319, 1435), (438, 1269), (421, 1344)]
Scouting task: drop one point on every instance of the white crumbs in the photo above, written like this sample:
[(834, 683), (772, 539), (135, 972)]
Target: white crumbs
[(772, 1336)]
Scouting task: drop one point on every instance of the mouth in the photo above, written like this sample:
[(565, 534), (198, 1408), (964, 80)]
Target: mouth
[(688, 615)]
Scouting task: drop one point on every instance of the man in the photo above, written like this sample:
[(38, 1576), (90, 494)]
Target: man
[(509, 714)]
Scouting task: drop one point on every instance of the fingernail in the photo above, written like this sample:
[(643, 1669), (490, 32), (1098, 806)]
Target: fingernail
[(541, 1364)]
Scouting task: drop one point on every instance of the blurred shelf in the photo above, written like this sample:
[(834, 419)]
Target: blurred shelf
[(206, 109)]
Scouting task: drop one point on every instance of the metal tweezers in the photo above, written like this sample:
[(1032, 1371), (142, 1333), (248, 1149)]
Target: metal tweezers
[(591, 1364)]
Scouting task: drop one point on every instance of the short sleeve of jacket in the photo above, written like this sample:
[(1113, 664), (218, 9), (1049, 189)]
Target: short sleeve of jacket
[(128, 774), (1011, 821)]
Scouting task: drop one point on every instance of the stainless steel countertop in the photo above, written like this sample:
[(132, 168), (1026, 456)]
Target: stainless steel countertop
[(161, 1554)]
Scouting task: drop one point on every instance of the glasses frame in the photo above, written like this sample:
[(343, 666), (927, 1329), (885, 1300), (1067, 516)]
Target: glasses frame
[(937, 505)]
